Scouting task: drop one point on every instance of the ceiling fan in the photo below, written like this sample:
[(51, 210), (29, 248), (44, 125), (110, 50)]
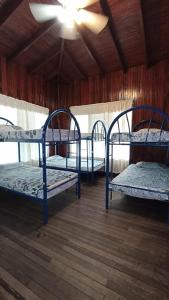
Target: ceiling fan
[(70, 14)]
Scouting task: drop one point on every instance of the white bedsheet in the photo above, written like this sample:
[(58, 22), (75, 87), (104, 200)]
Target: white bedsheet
[(144, 180), (29, 180)]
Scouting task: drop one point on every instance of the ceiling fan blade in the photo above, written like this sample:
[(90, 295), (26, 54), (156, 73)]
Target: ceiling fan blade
[(68, 33), (95, 22), (44, 12), (77, 3)]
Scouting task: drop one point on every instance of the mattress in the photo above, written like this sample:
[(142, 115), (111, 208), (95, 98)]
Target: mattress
[(141, 136), (35, 135), (144, 180), (60, 162), (28, 180)]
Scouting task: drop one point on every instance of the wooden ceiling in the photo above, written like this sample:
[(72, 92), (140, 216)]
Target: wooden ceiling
[(137, 33)]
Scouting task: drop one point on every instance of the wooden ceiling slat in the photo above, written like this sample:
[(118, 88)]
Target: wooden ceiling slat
[(64, 78), (44, 62), (57, 70), (61, 56), (144, 37), (8, 8), (74, 63), (106, 10), (26, 45), (90, 50)]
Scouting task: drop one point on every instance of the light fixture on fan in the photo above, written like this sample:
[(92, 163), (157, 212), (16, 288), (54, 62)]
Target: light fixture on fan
[(69, 14)]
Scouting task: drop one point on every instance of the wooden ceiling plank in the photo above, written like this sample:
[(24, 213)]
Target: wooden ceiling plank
[(58, 75), (61, 55), (90, 50), (64, 77), (143, 31), (74, 63), (36, 36), (44, 60), (57, 70), (8, 8), (107, 11)]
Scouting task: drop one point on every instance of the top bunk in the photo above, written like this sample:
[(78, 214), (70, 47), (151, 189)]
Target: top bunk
[(153, 130), (52, 131)]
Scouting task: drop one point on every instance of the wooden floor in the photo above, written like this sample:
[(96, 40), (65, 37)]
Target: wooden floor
[(84, 252)]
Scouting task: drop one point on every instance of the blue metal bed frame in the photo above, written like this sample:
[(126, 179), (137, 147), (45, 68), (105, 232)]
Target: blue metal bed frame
[(110, 143), (44, 144), (98, 134)]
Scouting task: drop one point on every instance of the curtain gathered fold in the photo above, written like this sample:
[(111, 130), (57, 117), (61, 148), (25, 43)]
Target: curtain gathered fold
[(26, 115)]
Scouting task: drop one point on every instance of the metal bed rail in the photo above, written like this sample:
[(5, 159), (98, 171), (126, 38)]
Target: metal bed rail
[(149, 123)]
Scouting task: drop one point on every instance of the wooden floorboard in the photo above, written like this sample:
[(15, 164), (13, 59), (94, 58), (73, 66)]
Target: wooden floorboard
[(84, 252)]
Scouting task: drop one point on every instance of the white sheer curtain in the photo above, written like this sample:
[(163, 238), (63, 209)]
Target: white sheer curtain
[(86, 116), (26, 115)]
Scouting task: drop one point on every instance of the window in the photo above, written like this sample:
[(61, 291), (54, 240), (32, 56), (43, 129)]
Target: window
[(87, 115), (26, 115)]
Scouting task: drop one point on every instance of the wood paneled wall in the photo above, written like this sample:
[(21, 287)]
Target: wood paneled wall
[(146, 86), (150, 86), (15, 81)]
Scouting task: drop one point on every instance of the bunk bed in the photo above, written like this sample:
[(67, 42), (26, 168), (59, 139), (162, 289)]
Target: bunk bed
[(89, 163), (40, 183), (148, 180)]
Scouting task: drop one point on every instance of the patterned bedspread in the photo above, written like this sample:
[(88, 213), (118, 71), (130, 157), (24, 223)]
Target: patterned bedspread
[(144, 180), (28, 180), (153, 136), (60, 162), (34, 135)]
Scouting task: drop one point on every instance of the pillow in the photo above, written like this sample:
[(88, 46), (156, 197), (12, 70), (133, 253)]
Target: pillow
[(10, 128), (150, 130), (57, 157), (150, 165)]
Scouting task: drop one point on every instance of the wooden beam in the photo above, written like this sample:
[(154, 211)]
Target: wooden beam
[(90, 50), (61, 55), (143, 32), (26, 45), (74, 63), (106, 10), (7, 9), (58, 75), (57, 70), (44, 61)]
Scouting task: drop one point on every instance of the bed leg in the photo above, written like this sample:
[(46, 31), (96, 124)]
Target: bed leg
[(93, 179), (78, 189), (107, 198), (45, 213)]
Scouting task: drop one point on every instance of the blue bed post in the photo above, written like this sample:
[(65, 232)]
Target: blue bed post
[(39, 155), (107, 174), (92, 158), (79, 169), (45, 200), (19, 152)]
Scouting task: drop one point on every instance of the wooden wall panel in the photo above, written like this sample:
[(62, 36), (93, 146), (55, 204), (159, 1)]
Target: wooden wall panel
[(146, 86), (18, 83)]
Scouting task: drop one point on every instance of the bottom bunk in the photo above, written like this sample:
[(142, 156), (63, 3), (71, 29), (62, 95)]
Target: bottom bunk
[(71, 163), (28, 181), (144, 180)]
